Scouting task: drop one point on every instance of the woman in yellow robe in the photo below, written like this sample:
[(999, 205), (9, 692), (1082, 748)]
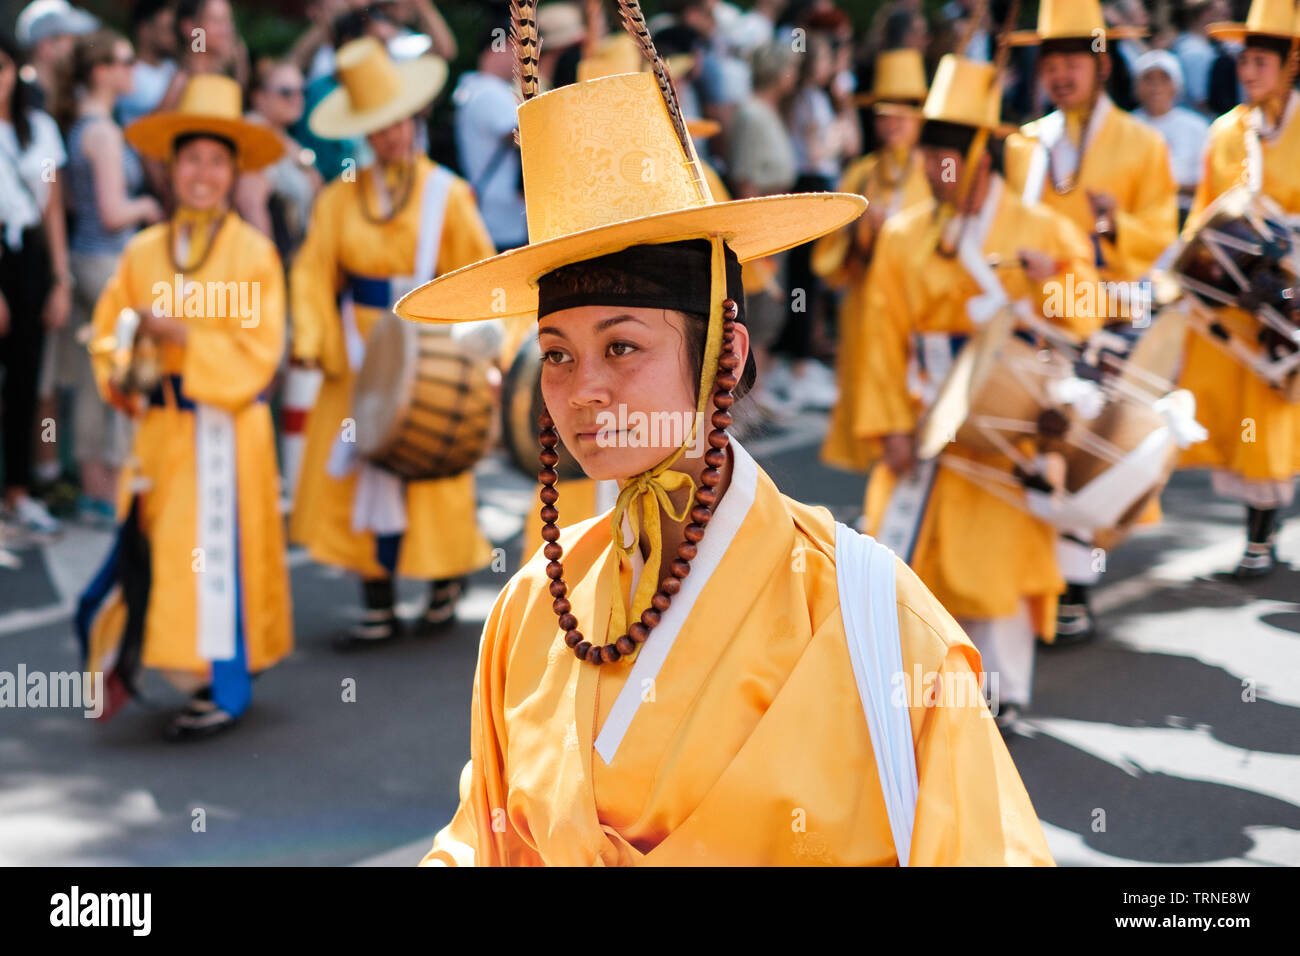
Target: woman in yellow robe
[(891, 179), (197, 584), (1253, 449), (741, 717), (359, 256)]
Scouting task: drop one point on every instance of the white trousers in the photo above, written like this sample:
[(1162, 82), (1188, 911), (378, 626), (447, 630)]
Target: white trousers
[(1006, 646)]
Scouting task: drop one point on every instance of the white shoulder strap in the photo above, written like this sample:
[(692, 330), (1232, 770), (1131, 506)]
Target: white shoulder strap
[(864, 573), (433, 210)]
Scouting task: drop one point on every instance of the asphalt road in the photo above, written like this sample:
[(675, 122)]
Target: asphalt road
[(1173, 740)]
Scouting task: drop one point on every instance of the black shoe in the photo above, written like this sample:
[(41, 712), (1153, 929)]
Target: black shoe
[(1074, 623), (201, 718), (1260, 557), (377, 627), (441, 612)]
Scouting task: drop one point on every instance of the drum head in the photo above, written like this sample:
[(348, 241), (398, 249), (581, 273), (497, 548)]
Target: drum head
[(1158, 353), (521, 403), (969, 371), (383, 386)]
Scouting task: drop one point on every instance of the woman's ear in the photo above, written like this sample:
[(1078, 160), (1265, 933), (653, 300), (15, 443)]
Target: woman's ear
[(740, 344)]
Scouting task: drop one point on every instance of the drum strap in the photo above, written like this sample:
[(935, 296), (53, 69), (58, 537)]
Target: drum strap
[(1056, 154), (907, 506), (864, 575)]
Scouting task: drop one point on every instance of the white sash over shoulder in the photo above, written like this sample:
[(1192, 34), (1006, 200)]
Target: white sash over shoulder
[(864, 573)]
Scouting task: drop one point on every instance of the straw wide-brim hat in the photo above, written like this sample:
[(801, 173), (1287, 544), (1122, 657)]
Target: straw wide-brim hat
[(604, 170), (210, 103), (1072, 20), (1268, 18), (375, 91), (966, 92), (899, 78)]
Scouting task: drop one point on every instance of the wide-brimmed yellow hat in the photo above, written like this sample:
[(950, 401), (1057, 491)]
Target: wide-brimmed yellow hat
[(1268, 18), (210, 103), (1072, 20), (604, 170), (899, 77), (965, 92), (375, 91)]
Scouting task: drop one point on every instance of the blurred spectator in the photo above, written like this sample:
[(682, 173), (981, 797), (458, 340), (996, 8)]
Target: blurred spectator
[(153, 28), (762, 163), (277, 199), (1159, 85), (104, 181), (756, 27), (563, 29), (46, 30), (1125, 52), (35, 284), (715, 90), (486, 120), (820, 137), (314, 50), (1195, 52)]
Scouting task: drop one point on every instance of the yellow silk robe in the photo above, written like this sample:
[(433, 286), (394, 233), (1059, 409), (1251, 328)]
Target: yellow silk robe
[(442, 539), (835, 261), (1254, 431), (1129, 160), (979, 554), (227, 362), (751, 746)]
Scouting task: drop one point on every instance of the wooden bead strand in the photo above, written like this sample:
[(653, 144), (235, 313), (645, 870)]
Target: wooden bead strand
[(706, 497)]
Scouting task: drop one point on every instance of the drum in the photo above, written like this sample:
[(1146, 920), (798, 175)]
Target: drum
[(1245, 255), (1074, 444), (423, 402), (521, 403)]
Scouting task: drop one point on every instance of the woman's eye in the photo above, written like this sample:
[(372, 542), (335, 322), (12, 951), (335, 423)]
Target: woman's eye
[(554, 357), (620, 349)]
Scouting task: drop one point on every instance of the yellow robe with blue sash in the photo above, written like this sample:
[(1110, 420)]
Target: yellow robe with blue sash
[(442, 538)]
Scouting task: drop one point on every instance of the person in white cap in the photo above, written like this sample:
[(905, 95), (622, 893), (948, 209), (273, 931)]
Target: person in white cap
[(1159, 87), (46, 29)]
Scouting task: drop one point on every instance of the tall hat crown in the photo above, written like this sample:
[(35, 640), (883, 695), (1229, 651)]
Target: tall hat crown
[(965, 92), (604, 168), (1072, 20), (899, 77), (210, 103), (1268, 18), (374, 91)]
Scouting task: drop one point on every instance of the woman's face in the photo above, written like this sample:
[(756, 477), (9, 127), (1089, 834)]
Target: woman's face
[(1260, 73), (394, 143), (217, 22), (1155, 91), (617, 383), (119, 75), (281, 98), (202, 174), (896, 131)]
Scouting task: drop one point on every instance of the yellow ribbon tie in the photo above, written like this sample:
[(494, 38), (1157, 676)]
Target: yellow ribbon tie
[(197, 225), (653, 489)]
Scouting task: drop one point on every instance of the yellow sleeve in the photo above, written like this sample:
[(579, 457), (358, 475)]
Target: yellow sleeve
[(465, 239), (229, 360), (1204, 194), (884, 406), (972, 807), (1149, 224), (830, 253), (480, 832), (314, 282)]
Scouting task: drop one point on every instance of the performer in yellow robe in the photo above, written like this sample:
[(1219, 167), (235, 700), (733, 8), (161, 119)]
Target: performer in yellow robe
[(735, 720), (1109, 174), (983, 557), (359, 256), (891, 179), (196, 584), (1254, 443)]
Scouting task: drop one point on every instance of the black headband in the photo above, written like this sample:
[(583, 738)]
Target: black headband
[(1068, 45), (941, 134), (1279, 45), (183, 138), (672, 275)]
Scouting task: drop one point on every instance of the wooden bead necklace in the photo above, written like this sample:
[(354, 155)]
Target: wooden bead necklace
[(706, 496)]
